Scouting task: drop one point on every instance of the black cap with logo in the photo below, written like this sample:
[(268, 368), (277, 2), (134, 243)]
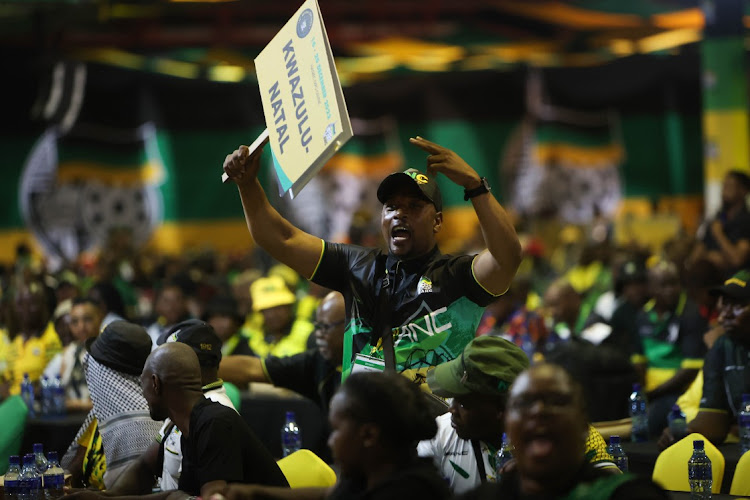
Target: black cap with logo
[(422, 184)]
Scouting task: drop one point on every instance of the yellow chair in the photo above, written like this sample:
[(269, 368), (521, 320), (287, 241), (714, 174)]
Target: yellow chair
[(304, 469), (741, 479), (671, 468)]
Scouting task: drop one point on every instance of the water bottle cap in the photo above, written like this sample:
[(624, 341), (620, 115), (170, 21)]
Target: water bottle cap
[(52, 456), (38, 448), (290, 415), (29, 459), (505, 437), (14, 459), (698, 444), (745, 398), (636, 387), (614, 439)]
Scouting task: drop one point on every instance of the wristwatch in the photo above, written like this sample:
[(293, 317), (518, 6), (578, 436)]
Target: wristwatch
[(484, 187)]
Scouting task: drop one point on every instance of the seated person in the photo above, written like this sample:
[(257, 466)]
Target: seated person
[(113, 364), (171, 308), (163, 459), (668, 343), (85, 320), (33, 339), (282, 334), (222, 313), (724, 378), (546, 421), (377, 419), (315, 373), (470, 434)]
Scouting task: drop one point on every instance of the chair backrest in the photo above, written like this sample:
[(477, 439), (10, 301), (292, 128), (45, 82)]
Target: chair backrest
[(741, 479), (304, 469), (671, 468), (233, 393), (13, 417)]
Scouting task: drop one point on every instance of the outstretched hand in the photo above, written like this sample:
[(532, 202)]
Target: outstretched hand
[(242, 166), (448, 163)]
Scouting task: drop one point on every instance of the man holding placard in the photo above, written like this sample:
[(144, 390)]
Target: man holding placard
[(411, 308)]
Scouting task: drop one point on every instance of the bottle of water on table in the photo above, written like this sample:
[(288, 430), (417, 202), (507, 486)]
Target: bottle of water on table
[(639, 415), (39, 459), (29, 481), (504, 455), (677, 423), (11, 477), (699, 473), (46, 393), (743, 419), (27, 394), (291, 440), (53, 478), (618, 454), (58, 396)]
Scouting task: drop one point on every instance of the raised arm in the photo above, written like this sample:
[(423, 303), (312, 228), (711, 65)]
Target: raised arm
[(495, 267), (276, 235)]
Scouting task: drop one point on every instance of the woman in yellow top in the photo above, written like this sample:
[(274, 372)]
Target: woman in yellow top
[(281, 334), (33, 339)]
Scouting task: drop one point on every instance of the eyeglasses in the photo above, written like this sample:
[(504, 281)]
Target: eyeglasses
[(324, 327), (553, 401)]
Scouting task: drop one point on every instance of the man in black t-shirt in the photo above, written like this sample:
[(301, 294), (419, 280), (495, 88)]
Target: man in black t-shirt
[(217, 445), (411, 308)]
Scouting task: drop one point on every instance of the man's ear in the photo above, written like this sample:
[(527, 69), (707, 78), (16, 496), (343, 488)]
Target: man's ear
[(156, 384), (370, 434), (438, 222)]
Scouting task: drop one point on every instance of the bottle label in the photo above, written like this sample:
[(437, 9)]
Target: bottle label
[(54, 481)]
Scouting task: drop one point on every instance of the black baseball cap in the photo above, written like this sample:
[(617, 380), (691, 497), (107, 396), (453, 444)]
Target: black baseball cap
[(200, 336), (736, 287), (122, 346), (412, 178)]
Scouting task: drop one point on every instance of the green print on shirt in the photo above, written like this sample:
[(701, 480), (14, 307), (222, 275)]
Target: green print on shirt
[(427, 339)]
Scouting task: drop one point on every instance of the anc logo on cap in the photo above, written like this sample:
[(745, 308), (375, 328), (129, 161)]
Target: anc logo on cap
[(419, 177)]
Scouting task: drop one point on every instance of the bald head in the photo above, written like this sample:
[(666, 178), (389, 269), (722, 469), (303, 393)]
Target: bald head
[(176, 365), (330, 323)]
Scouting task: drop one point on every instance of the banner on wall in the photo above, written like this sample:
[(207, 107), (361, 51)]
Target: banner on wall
[(303, 104)]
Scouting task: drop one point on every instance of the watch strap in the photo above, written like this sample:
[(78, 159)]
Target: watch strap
[(484, 187)]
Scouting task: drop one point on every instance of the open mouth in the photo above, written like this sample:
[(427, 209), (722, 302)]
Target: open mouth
[(400, 233)]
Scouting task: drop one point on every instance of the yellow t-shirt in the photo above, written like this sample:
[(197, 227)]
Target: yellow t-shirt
[(293, 343), (31, 356)]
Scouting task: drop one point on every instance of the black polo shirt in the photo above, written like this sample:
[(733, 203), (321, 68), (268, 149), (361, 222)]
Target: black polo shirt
[(307, 373), (434, 303), (725, 376), (221, 447)]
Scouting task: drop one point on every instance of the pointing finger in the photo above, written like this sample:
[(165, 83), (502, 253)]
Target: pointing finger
[(425, 145)]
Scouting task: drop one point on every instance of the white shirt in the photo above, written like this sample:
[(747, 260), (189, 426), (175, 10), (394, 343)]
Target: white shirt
[(172, 468), (454, 457)]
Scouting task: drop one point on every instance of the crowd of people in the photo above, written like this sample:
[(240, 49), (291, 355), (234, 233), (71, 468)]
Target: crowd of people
[(421, 361)]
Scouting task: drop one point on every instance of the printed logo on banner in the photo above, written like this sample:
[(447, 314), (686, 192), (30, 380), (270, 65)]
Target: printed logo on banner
[(304, 23), (329, 133)]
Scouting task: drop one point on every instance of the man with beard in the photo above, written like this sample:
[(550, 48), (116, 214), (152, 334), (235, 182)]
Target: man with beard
[(728, 361), (725, 240)]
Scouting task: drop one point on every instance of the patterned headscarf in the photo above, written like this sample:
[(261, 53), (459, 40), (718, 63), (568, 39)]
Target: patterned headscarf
[(125, 425)]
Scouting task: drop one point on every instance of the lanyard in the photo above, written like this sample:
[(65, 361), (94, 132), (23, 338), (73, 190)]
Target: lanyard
[(480, 461)]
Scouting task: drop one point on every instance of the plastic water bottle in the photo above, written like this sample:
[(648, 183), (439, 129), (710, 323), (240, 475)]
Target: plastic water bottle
[(27, 393), (46, 396), (639, 415), (53, 478), (504, 455), (618, 454), (58, 396), (11, 477), (29, 481), (290, 435), (743, 419), (39, 459), (677, 423), (699, 473)]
